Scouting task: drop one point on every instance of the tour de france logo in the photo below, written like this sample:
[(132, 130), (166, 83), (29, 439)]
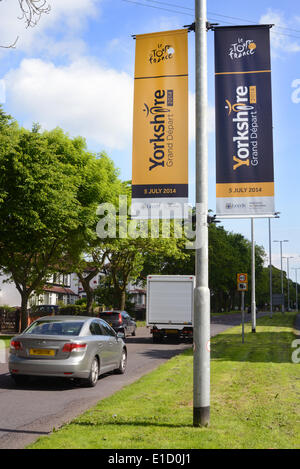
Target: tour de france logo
[(161, 53), (242, 48)]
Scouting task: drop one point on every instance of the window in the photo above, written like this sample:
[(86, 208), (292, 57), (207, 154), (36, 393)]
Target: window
[(107, 330), (95, 328), (55, 328)]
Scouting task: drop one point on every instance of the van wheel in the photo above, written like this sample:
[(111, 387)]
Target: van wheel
[(157, 339)]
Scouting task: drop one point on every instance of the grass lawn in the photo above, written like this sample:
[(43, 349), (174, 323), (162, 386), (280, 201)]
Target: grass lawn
[(5, 340), (255, 400)]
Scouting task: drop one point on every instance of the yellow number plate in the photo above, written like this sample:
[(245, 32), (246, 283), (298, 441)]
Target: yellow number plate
[(40, 351)]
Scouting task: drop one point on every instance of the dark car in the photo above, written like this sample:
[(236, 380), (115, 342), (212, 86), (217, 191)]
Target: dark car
[(120, 321), (44, 310)]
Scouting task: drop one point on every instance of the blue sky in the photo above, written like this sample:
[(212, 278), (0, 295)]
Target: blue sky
[(75, 70)]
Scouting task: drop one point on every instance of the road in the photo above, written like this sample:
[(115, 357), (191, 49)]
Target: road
[(35, 409)]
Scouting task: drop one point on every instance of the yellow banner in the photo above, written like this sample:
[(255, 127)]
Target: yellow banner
[(160, 120)]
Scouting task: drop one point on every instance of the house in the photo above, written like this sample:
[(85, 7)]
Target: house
[(57, 290), (60, 288), (64, 288)]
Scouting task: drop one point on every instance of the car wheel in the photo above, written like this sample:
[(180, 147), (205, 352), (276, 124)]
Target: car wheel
[(92, 380), (123, 363)]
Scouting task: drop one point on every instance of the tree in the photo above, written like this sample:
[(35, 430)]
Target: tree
[(93, 251), (127, 262), (50, 186), (229, 254), (31, 11)]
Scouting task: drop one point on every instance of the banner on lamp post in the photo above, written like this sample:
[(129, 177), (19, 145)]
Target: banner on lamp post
[(244, 138), (160, 126)]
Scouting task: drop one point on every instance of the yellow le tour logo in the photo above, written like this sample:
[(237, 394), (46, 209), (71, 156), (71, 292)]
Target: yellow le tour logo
[(161, 53)]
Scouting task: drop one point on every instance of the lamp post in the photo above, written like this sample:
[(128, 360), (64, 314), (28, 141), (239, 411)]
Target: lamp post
[(281, 241), (288, 277), (296, 269), (270, 265), (201, 391)]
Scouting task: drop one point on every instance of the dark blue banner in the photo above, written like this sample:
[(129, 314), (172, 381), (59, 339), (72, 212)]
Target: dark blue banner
[(244, 140)]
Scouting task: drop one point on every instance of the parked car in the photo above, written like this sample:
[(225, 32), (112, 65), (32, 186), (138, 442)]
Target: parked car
[(44, 309), (67, 346), (120, 321)]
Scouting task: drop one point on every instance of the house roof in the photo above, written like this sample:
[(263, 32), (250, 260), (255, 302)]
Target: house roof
[(57, 289)]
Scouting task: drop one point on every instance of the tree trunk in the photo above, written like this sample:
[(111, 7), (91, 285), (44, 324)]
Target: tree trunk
[(89, 301), (24, 312), (122, 300)]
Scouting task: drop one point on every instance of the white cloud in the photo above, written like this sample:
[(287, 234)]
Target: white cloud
[(281, 38), (83, 98)]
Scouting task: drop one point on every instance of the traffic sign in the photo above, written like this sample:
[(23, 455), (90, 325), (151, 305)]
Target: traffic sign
[(242, 278), (242, 282)]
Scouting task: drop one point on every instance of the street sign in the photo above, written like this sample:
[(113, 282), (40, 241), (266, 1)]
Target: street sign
[(242, 278), (242, 282)]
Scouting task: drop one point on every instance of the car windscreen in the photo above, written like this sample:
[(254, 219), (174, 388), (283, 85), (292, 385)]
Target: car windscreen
[(55, 328), (109, 316)]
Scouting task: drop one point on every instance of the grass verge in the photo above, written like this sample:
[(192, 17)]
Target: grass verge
[(5, 340), (255, 389)]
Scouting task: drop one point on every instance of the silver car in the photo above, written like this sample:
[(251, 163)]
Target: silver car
[(67, 346)]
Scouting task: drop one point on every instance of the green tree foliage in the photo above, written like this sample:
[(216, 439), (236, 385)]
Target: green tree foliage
[(50, 186), (229, 254)]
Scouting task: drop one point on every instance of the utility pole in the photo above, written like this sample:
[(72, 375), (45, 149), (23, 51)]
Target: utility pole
[(201, 391), (253, 298), (281, 271), (270, 269), (288, 278), (296, 270)]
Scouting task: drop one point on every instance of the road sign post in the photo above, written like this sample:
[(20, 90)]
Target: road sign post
[(242, 286)]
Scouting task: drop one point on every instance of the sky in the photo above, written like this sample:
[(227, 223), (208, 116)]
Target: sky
[(74, 70)]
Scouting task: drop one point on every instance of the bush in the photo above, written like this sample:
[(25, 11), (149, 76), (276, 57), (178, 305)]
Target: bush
[(76, 310)]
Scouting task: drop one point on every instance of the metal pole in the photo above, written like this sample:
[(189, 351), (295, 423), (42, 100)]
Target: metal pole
[(243, 315), (296, 291), (253, 300), (281, 270), (296, 271), (201, 410), (288, 282), (270, 267), (282, 304), (288, 278)]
